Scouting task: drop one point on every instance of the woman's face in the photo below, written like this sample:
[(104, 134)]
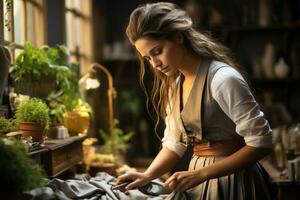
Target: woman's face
[(164, 55)]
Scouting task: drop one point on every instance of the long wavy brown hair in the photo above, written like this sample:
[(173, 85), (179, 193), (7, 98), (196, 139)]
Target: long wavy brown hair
[(160, 21)]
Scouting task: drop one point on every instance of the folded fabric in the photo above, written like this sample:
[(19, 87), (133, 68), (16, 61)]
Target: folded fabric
[(100, 188), (74, 188)]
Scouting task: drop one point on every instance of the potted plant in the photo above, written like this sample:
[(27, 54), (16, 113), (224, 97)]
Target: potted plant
[(77, 117), (112, 151), (67, 106), (33, 117), (37, 71), (7, 125), (119, 144), (18, 172)]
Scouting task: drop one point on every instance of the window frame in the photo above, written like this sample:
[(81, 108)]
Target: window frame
[(39, 7), (81, 51)]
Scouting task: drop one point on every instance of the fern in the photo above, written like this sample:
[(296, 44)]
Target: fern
[(120, 142)]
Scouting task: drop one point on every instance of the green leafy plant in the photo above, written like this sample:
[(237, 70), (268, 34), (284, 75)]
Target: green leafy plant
[(130, 103), (18, 172), (57, 110), (68, 98), (40, 71), (33, 62), (120, 142), (33, 110), (7, 125), (65, 103)]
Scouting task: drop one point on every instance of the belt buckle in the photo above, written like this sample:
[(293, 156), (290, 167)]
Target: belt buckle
[(191, 138)]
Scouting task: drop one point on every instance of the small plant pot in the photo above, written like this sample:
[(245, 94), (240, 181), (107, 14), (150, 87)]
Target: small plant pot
[(35, 130), (58, 132), (77, 121)]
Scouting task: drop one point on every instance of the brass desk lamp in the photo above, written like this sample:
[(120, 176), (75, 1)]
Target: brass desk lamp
[(90, 81)]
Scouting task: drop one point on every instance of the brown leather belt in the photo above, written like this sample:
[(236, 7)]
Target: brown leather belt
[(218, 147)]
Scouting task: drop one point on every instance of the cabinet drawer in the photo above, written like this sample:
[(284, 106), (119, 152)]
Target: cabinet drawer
[(60, 160)]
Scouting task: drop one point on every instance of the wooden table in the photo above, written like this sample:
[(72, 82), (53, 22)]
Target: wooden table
[(59, 155)]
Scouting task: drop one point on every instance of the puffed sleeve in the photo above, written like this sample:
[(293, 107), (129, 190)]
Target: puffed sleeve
[(233, 95), (172, 133)]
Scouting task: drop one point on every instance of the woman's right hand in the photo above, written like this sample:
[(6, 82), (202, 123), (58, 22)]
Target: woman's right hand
[(136, 179)]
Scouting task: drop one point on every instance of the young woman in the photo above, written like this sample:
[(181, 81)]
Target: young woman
[(206, 103)]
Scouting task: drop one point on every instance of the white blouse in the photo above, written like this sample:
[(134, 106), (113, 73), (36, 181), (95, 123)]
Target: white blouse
[(232, 93)]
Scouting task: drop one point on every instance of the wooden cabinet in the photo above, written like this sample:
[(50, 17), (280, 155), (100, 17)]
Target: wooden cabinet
[(59, 156)]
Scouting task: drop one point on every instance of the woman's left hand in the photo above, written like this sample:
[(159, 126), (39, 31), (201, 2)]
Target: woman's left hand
[(184, 180)]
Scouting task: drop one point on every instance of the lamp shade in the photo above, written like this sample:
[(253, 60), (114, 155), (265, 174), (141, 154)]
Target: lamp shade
[(89, 82)]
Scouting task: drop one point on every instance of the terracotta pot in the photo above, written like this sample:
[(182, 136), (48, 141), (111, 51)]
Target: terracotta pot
[(35, 130), (77, 121)]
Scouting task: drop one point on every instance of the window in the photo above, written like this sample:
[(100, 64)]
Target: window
[(25, 20), (78, 32), (22, 20)]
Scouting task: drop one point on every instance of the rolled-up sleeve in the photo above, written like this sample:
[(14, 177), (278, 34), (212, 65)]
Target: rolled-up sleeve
[(172, 134), (233, 95)]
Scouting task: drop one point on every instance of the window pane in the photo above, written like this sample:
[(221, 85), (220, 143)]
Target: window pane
[(77, 40), (30, 22), (19, 22), (35, 23), (68, 3), (78, 30), (70, 31), (76, 5)]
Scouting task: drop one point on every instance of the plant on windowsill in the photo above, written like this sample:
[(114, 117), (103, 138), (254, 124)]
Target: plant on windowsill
[(39, 71), (7, 125), (33, 118), (18, 172)]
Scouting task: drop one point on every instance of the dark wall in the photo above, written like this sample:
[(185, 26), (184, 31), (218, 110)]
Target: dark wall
[(116, 13)]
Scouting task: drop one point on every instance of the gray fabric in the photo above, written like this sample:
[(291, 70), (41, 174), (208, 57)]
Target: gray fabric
[(74, 188), (42, 193), (97, 188)]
